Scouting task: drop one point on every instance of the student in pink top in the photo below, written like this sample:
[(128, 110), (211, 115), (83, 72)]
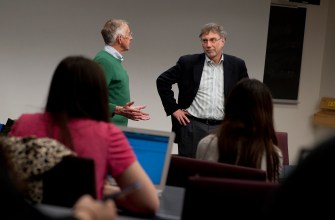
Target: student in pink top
[(76, 114)]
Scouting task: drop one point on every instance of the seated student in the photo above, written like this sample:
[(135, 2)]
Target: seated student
[(309, 190), (246, 136), (76, 114), (14, 206)]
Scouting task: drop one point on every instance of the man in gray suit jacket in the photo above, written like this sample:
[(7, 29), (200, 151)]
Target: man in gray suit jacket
[(204, 81)]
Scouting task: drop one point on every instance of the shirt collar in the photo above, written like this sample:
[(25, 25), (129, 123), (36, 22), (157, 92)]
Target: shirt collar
[(113, 52), (209, 61)]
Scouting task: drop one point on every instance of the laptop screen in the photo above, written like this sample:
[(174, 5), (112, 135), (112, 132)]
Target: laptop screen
[(153, 151)]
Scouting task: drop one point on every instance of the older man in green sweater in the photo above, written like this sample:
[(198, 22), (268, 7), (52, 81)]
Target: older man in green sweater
[(117, 37)]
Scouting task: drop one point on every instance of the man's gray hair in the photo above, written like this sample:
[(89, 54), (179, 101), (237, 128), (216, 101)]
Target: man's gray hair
[(112, 29), (215, 28)]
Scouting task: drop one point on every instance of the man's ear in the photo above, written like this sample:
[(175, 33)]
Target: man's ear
[(119, 39)]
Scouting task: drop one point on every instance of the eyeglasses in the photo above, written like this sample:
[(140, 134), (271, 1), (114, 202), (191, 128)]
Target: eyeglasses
[(130, 34), (212, 40)]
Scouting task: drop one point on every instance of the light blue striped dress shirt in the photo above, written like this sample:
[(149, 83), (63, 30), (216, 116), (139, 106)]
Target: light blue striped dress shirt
[(208, 102)]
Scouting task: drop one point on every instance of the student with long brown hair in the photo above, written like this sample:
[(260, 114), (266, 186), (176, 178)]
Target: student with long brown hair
[(246, 136), (77, 115)]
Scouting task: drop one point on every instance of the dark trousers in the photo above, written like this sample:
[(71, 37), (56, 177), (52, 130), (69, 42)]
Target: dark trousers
[(191, 134)]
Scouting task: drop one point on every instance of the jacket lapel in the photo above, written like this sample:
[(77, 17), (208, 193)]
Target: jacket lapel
[(197, 71), (226, 74)]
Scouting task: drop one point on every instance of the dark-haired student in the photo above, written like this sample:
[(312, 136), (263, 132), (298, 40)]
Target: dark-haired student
[(77, 115), (246, 136)]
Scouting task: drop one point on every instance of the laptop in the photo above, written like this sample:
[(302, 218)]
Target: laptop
[(153, 150)]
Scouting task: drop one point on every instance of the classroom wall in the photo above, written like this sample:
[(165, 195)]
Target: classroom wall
[(327, 88), (36, 35), (297, 119)]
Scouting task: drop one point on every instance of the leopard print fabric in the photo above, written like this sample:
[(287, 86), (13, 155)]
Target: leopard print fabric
[(31, 157)]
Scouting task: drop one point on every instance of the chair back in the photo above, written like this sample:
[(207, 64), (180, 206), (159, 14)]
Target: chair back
[(68, 180), (181, 168), (223, 198), (7, 127), (282, 138)]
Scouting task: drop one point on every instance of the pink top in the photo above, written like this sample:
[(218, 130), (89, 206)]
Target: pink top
[(103, 142)]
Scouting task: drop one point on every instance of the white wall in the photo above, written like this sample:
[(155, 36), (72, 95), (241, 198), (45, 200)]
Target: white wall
[(327, 88), (297, 120), (328, 76), (36, 35)]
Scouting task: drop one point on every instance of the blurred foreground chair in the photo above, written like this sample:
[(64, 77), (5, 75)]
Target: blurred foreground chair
[(282, 138), (68, 180), (309, 190), (181, 168), (223, 198)]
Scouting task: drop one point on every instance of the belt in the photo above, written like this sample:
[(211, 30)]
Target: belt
[(206, 121)]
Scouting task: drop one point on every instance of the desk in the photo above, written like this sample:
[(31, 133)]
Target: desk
[(171, 205)]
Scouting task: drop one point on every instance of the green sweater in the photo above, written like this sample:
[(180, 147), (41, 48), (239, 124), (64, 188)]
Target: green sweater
[(117, 83)]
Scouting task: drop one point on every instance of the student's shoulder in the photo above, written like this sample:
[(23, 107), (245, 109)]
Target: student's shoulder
[(26, 123), (208, 148), (278, 150), (209, 141), (32, 116)]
